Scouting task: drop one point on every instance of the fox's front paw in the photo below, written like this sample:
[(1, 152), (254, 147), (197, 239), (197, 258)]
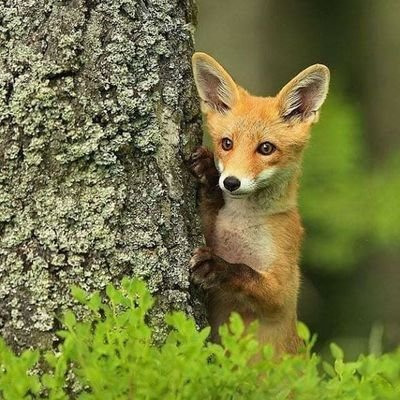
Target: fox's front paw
[(204, 268), (202, 165)]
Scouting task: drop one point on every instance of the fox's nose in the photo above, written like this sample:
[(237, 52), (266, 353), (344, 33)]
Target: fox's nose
[(231, 183)]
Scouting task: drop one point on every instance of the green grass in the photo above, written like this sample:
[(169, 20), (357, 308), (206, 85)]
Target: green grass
[(111, 356)]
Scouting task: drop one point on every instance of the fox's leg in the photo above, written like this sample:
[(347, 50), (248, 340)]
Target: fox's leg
[(211, 200), (264, 290), (268, 296)]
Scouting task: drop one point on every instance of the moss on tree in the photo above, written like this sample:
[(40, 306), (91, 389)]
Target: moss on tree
[(97, 115)]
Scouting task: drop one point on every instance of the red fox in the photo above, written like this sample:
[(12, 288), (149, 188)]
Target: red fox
[(248, 200)]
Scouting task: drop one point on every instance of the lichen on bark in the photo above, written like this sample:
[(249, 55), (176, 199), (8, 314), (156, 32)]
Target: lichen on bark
[(97, 116)]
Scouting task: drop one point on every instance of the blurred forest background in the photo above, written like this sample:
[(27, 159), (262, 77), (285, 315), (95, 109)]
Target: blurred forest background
[(350, 188)]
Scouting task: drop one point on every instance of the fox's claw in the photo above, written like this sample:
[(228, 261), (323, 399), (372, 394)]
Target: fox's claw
[(202, 165), (200, 256), (203, 267), (201, 153)]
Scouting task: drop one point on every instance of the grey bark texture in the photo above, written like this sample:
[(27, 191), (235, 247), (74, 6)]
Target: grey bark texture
[(98, 113)]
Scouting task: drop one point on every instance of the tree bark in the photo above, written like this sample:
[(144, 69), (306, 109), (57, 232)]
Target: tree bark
[(97, 116)]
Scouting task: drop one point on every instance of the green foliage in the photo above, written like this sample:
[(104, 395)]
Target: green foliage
[(343, 200), (112, 357)]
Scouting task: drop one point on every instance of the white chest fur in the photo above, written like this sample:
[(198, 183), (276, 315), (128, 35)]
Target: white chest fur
[(242, 236)]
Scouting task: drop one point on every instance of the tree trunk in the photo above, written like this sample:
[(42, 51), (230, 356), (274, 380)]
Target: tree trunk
[(97, 116)]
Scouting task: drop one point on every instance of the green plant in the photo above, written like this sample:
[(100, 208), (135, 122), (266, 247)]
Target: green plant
[(343, 200), (112, 357)]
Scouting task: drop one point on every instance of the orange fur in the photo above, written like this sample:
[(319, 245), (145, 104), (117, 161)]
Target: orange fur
[(253, 233)]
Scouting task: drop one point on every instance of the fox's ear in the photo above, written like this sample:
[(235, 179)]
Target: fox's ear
[(304, 95), (216, 88)]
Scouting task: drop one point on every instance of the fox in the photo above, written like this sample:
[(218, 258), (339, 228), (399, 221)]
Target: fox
[(248, 187)]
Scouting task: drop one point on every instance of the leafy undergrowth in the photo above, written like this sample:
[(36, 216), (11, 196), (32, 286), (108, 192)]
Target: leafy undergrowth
[(110, 356)]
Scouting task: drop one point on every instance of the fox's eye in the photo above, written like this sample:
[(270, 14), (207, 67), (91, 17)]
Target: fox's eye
[(266, 148), (227, 144)]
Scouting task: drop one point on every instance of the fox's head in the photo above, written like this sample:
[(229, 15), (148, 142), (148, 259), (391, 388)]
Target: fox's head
[(257, 140)]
